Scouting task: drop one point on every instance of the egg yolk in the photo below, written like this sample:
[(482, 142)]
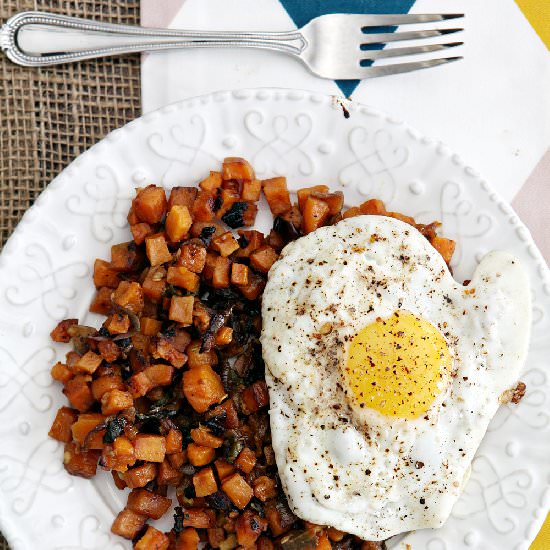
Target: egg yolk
[(398, 366)]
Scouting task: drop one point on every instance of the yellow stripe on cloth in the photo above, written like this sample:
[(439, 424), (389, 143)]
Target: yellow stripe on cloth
[(537, 13), (542, 542)]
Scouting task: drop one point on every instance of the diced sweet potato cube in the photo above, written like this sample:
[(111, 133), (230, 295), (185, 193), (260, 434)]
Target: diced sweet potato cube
[(373, 207), (117, 323), (128, 524), (294, 218), (101, 304), (254, 288), (108, 350), (164, 348), (224, 468), (251, 190), (139, 385), (209, 264), (188, 539), (203, 436), (80, 463), (227, 409), (104, 275), (153, 539), (105, 384), (238, 490), (445, 247), (181, 309), (201, 317), (239, 274), (225, 244), (159, 375), (220, 275), (157, 250), (211, 182), (148, 504), (196, 358), (334, 534), (119, 482), (129, 296), (132, 217), (151, 448), (61, 427), (249, 241), (305, 192), (178, 223), (255, 397), (119, 455), (61, 332), (323, 543), (246, 460), (229, 198), (61, 372), (141, 475), (140, 231), (199, 455), (224, 336), (149, 326), (238, 169), (154, 284), (402, 218), (78, 393), (84, 425), (193, 257), (279, 523), (249, 215), (205, 482), (202, 387), (276, 193), (116, 400), (173, 441), (183, 196), (352, 212), (249, 527), (150, 204), (177, 460), (335, 201), (203, 207), (183, 277), (265, 488), (199, 518), (126, 257), (316, 213), (88, 363), (263, 258)]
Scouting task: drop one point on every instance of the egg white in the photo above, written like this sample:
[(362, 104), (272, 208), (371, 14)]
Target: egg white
[(355, 469)]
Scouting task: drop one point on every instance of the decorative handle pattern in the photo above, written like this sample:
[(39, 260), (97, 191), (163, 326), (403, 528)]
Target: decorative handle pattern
[(37, 39)]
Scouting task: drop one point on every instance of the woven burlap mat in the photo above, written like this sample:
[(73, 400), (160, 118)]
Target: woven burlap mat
[(49, 116)]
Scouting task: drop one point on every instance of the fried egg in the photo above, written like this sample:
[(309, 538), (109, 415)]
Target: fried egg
[(384, 372)]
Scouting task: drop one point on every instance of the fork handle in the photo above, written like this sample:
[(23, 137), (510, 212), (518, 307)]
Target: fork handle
[(37, 39)]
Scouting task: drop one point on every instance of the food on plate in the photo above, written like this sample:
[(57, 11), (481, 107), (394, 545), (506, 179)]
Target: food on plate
[(170, 393), (384, 372)]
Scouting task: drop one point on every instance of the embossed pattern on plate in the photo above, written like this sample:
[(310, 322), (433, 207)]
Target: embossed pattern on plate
[(46, 265)]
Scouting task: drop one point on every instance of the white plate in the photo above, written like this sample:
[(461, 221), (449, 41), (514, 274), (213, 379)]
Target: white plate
[(45, 276)]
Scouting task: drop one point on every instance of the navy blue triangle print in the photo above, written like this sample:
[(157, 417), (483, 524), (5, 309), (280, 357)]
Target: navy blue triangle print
[(303, 11)]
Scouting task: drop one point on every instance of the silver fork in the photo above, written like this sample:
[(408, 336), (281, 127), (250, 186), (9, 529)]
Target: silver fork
[(333, 46)]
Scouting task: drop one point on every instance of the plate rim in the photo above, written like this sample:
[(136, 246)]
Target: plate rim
[(270, 93)]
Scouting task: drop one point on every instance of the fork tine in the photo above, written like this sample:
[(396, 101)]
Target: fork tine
[(379, 20), (397, 68), (380, 38), (409, 50)]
